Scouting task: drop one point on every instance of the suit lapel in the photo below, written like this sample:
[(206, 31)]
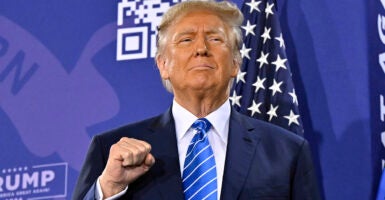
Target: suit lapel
[(166, 170), (240, 152)]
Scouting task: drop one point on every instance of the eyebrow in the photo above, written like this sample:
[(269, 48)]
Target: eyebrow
[(185, 32), (192, 31)]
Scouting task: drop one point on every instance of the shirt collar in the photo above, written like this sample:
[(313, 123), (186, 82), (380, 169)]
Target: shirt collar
[(219, 120)]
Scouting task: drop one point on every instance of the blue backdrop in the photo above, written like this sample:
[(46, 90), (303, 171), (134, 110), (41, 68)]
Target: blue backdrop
[(73, 69)]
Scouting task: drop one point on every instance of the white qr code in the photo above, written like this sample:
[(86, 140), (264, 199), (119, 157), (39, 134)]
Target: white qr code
[(137, 40)]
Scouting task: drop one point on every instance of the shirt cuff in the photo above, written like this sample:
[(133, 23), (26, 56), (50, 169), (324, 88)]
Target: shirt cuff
[(99, 193)]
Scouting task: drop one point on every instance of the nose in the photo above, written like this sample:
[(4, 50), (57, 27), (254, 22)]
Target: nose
[(201, 48)]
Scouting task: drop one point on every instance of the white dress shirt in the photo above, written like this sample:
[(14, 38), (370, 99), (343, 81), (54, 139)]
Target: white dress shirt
[(217, 136)]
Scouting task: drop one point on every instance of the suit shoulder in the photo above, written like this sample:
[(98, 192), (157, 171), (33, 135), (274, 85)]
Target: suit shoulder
[(269, 131), (133, 130)]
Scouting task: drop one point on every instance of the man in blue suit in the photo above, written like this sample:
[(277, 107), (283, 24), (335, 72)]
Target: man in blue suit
[(198, 57)]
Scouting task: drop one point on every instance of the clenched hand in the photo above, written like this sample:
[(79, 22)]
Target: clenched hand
[(129, 159)]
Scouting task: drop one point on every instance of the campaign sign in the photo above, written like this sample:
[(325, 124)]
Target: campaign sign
[(34, 182)]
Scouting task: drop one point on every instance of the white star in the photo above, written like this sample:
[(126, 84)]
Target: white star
[(241, 76), (272, 112), (248, 28), (263, 59), (254, 5), (275, 87), (281, 41), (266, 35), (245, 51), (294, 96), (259, 84), (255, 108), (269, 10), (292, 118), (235, 99), (279, 63)]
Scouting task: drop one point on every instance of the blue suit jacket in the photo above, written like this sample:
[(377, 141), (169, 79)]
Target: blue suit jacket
[(263, 161)]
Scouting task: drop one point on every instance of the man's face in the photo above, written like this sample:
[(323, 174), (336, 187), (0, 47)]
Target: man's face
[(198, 54)]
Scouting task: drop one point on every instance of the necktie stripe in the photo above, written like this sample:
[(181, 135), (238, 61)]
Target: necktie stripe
[(203, 187), (200, 164), (199, 171), (195, 155), (207, 196), (197, 159), (200, 174)]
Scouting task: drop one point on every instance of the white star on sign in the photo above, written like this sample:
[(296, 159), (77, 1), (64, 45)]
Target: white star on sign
[(279, 63), (248, 28), (266, 34), (263, 59), (235, 99), (294, 96), (281, 41), (275, 87), (259, 84), (272, 112), (241, 76), (245, 52), (269, 10), (292, 118), (255, 108), (254, 5)]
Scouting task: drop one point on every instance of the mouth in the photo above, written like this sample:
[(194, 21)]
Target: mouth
[(201, 67)]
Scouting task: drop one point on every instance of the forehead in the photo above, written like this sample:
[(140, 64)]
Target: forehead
[(207, 20)]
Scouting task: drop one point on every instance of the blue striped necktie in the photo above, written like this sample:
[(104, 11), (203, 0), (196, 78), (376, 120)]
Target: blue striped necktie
[(199, 172)]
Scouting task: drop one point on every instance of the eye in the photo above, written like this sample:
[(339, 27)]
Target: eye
[(185, 40), (215, 39)]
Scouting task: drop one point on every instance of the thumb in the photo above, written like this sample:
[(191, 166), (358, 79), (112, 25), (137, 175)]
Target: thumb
[(149, 161), (137, 171)]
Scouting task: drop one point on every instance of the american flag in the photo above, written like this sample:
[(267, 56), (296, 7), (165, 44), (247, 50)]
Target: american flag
[(264, 88)]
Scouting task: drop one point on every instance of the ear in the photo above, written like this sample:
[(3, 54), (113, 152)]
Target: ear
[(234, 68), (161, 63)]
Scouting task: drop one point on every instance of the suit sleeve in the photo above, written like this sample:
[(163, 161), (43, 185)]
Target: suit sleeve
[(92, 168), (305, 185)]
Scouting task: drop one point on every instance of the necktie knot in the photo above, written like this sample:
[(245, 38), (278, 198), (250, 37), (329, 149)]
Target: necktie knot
[(202, 124)]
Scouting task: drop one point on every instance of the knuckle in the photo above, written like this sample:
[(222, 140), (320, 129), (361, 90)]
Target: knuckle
[(113, 148), (145, 146), (134, 150), (141, 149), (128, 154), (124, 139)]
